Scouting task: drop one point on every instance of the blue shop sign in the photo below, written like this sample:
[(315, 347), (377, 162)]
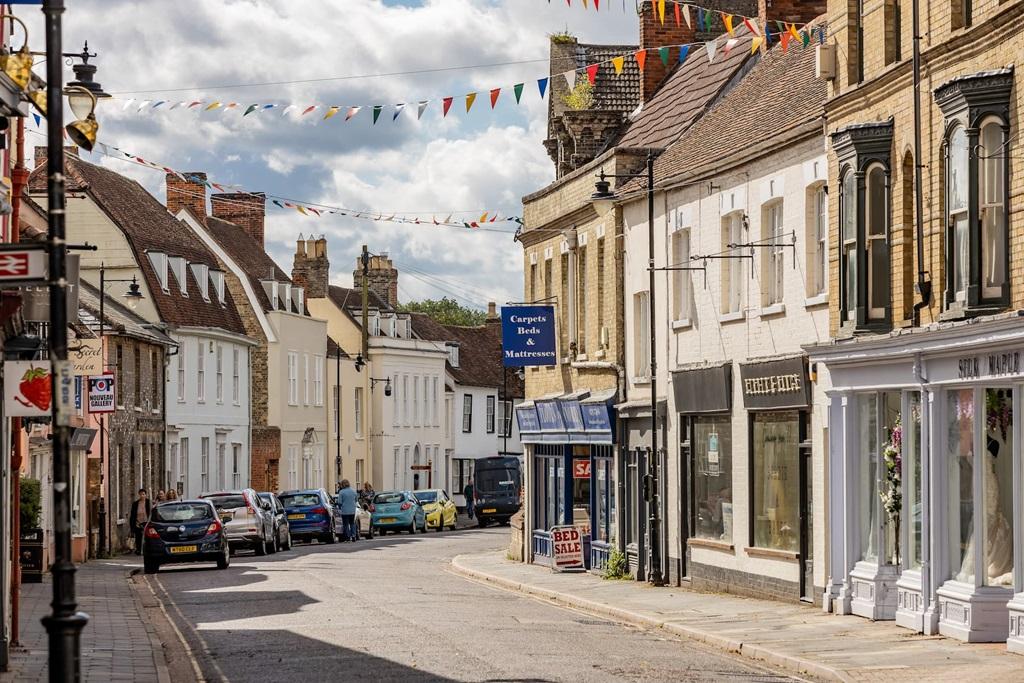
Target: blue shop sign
[(596, 417), (572, 415), (528, 421), (550, 416), (528, 335)]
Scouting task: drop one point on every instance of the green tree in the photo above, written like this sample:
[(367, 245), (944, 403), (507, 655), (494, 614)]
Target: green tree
[(31, 505), (446, 311)]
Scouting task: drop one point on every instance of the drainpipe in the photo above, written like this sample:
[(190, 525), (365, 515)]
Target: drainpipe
[(19, 178), (924, 284)]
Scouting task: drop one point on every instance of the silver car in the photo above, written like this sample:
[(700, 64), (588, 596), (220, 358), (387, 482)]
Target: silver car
[(363, 526), (248, 520)]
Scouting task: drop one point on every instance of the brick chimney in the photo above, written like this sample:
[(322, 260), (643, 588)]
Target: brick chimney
[(41, 154), (383, 278), (797, 12), (187, 191), (246, 210), (653, 35), (310, 267)]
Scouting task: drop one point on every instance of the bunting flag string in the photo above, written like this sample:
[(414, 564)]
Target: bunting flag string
[(762, 36)]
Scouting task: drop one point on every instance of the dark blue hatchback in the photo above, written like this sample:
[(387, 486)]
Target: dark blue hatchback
[(184, 531), (310, 514)]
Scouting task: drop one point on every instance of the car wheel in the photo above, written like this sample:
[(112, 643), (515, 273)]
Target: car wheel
[(151, 566), (412, 527), (261, 547), (224, 560), (333, 536), (277, 543), (369, 534), (288, 540)]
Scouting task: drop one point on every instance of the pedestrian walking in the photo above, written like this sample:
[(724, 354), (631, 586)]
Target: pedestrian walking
[(161, 496), (366, 493), (172, 494), (468, 493), (347, 498), (138, 518)]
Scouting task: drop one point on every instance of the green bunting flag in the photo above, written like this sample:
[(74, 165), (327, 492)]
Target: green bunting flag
[(663, 53), (518, 90), (377, 109)]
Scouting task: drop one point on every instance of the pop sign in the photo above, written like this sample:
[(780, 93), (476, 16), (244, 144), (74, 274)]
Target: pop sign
[(101, 393), (567, 545), (528, 335)]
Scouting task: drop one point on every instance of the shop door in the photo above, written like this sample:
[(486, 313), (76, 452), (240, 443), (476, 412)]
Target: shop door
[(636, 512), (806, 527)]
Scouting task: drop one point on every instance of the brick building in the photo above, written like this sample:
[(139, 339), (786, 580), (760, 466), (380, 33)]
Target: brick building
[(925, 281)]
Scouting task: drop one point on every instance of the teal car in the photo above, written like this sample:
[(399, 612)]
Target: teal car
[(397, 511)]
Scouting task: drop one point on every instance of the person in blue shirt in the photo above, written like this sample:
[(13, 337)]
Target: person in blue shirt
[(347, 498)]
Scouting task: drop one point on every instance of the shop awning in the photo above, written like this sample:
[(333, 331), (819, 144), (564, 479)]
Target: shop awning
[(567, 418)]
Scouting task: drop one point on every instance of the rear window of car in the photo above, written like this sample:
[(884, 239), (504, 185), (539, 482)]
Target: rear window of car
[(426, 496), (228, 502), (298, 500), (181, 512), (389, 498)]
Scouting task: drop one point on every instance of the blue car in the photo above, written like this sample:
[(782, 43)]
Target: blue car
[(397, 511), (184, 531), (310, 514)]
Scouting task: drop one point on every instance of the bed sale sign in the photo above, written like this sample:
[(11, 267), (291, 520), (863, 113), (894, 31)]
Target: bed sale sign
[(567, 547)]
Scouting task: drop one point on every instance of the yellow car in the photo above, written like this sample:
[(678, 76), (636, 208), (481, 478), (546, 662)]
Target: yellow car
[(438, 507)]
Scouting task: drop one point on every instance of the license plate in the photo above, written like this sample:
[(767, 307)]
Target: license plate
[(183, 549), (226, 516), (296, 516), (488, 510), (387, 520)]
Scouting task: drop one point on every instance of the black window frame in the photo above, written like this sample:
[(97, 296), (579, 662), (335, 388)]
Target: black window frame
[(860, 147), (968, 103), (467, 415)]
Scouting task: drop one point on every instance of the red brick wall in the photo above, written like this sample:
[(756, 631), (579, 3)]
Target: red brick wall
[(265, 473), (187, 193), (654, 34), (791, 11), (246, 210)]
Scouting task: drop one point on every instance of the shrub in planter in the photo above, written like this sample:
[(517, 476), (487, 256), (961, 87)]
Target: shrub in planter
[(31, 503)]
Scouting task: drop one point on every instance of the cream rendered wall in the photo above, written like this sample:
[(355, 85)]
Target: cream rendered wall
[(709, 338), (352, 449)]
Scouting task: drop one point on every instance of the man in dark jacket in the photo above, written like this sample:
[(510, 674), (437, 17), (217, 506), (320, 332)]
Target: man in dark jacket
[(138, 517), (468, 493)]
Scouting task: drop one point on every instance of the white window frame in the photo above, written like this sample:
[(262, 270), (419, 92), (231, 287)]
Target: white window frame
[(305, 379), (236, 374), (641, 336), (200, 371), (732, 269), (773, 274), (222, 464), (416, 401), (357, 407), (181, 374), (204, 464), (405, 400), (681, 282), (293, 378), (318, 381), (236, 465), (220, 373), (467, 413)]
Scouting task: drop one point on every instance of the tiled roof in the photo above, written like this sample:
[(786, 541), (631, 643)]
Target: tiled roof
[(779, 95), (333, 350), (686, 94), (148, 226), (347, 298), (118, 318), (611, 92), (249, 255), (480, 363)]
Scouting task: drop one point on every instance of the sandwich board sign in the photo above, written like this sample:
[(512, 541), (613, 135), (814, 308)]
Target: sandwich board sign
[(567, 548)]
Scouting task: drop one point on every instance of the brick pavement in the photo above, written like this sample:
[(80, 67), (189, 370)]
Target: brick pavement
[(799, 638), (117, 644)]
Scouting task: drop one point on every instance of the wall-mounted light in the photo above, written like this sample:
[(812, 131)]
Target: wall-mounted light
[(17, 65)]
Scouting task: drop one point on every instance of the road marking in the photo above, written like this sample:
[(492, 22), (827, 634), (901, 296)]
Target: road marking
[(206, 648)]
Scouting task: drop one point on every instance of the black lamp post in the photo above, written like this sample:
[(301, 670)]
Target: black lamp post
[(603, 198), (132, 296)]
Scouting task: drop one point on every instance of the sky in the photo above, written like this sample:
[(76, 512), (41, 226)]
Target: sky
[(481, 161)]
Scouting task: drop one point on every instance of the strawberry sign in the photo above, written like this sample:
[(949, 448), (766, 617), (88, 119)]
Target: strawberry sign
[(28, 388)]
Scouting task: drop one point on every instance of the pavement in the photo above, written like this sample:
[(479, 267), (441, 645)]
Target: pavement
[(390, 609), (801, 639), (118, 643)]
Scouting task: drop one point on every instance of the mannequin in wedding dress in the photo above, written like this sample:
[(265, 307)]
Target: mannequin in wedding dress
[(999, 535)]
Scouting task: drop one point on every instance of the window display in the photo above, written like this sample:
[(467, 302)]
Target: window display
[(997, 484), (776, 481), (605, 530), (911, 470), (960, 416), (869, 447), (712, 475)]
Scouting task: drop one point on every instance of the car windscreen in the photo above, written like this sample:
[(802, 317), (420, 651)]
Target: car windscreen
[(227, 502), (498, 480), (389, 498), (426, 496), (181, 512), (300, 500)]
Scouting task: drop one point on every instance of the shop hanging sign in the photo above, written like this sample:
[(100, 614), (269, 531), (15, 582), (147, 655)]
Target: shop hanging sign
[(567, 547), (101, 394), (528, 335), (87, 357), (581, 468), (776, 385), (23, 265), (28, 388)]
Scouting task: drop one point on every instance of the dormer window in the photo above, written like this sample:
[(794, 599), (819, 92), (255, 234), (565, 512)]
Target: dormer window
[(201, 273), (299, 299), (177, 266), (217, 278), (270, 287), (286, 297), (374, 322), (158, 260), (453, 355)]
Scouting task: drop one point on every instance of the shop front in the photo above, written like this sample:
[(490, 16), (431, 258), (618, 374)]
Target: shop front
[(925, 480), (570, 472)]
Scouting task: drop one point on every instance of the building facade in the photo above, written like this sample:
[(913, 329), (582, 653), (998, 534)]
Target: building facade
[(925, 283)]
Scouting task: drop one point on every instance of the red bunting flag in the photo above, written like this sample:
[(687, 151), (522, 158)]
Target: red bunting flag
[(447, 105), (641, 58), (592, 73), (751, 26), (679, 21), (308, 109), (785, 40), (494, 96)]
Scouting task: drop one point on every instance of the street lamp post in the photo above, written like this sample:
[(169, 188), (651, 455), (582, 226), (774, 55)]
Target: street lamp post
[(132, 295), (603, 197)]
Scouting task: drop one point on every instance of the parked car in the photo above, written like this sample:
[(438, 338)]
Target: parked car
[(398, 511), (438, 507), (498, 489), (184, 531), (364, 524), (247, 518), (310, 514), (282, 531)]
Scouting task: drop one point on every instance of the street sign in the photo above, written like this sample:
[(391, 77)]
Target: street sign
[(101, 393), (65, 392), (581, 468), (22, 265), (567, 547), (528, 335), (27, 388)]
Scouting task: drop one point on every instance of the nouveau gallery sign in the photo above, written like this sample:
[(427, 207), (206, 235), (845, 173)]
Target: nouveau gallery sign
[(528, 335), (776, 384)]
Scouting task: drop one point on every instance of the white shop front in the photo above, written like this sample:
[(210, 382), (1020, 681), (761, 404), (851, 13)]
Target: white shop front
[(925, 479)]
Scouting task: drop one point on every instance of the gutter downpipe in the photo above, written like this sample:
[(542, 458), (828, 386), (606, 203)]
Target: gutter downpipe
[(924, 283)]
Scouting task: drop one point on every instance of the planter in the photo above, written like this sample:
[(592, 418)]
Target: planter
[(31, 556)]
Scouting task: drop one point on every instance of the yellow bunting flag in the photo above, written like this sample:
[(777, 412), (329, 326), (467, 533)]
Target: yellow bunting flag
[(793, 32), (331, 112), (617, 62), (470, 99), (728, 23), (755, 43), (483, 219), (661, 10), (301, 210), (212, 106)]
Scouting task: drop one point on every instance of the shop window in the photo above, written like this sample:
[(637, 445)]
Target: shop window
[(711, 448), (581, 491), (910, 469), (879, 418), (976, 109), (549, 483), (605, 479), (960, 417), (776, 481)]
